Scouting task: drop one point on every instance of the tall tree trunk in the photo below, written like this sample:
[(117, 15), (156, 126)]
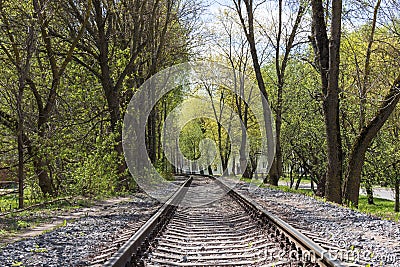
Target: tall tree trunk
[(278, 127), (152, 136), (328, 57), (210, 171), (23, 69), (21, 174), (225, 170), (333, 190), (299, 181), (312, 184), (362, 142), (111, 90), (234, 165), (280, 67), (20, 140), (321, 186), (162, 141), (397, 195), (45, 109), (242, 151), (248, 28), (276, 168), (291, 175), (41, 170), (242, 156)]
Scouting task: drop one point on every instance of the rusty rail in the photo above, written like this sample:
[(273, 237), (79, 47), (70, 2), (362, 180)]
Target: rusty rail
[(137, 244)]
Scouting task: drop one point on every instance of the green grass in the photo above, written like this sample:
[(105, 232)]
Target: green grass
[(8, 202), (287, 179), (382, 208), (15, 222), (252, 181), (285, 188)]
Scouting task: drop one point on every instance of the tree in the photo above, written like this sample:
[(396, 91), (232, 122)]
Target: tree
[(302, 133), (126, 43), (246, 17), (283, 41), (20, 51), (368, 130), (37, 17), (235, 49), (364, 139), (219, 112), (328, 61)]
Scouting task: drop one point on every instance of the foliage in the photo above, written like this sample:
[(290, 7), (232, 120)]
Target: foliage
[(69, 69), (71, 139), (96, 174)]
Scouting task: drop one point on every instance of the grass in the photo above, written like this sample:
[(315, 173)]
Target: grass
[(14, 223), (285, 188), (286, 179), (252, 181), (8, 202), (381, 208)]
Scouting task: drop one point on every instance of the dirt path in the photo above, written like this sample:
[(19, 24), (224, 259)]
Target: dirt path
[(64, 217)]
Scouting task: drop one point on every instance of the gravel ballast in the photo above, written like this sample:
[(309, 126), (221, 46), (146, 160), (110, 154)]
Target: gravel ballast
[(368, 238), (376, 241), (77, 242)]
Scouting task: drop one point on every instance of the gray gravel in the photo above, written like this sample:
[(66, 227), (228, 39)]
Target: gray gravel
[(73, 244), (376, 241)]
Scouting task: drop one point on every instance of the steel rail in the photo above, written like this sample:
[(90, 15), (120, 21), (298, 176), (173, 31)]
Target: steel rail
[(125, 255), (304, 248), (322, 256)]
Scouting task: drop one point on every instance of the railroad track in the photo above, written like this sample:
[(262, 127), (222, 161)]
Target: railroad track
[(216, 226)]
